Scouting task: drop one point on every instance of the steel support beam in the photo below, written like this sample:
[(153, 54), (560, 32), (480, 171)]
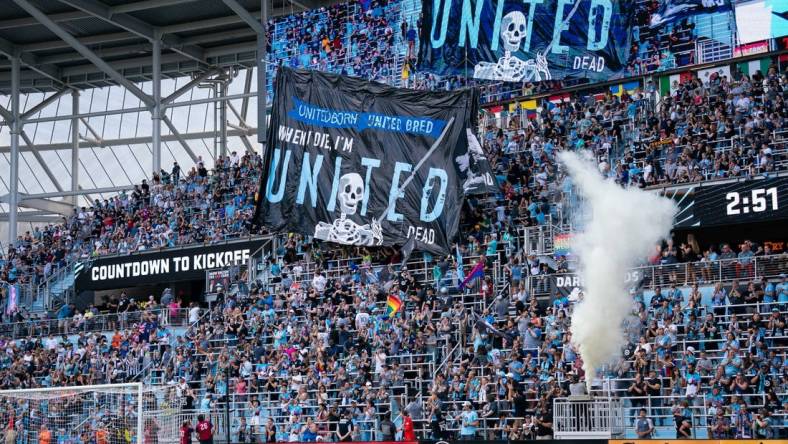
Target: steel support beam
[(36, 217), (82, 49), (187, 87), (31, 61), (240, 33), (136, 48), (136, 26), (225, 55), (156, 113), (222, 88), (46, 205), (40, 160), (80, 192), (112, 112), (239, 116), (9, 117), (238, 127), (306, 4), (177, 136), (13, 203), (243, 126), (97, 39), (248, 18), (247, 144), (44, 103), (75, 148), (132, 140), (96, 136), (77, 15), (147, 4), (247, 90)]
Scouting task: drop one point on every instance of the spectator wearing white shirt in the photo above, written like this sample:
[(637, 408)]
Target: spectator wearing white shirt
[(319, 282), (194, 313)]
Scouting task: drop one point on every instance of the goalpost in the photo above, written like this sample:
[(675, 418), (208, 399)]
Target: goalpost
[(130, 413)]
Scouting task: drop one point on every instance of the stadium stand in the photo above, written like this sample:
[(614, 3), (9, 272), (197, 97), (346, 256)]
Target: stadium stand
[(336, 354), (306, 348)]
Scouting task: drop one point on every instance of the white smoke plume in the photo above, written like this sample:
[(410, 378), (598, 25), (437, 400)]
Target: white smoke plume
[(622, 228)]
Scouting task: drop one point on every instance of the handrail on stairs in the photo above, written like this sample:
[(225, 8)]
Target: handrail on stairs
[(44, 288)]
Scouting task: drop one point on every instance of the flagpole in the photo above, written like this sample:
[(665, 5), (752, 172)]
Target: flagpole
[(432, 149)]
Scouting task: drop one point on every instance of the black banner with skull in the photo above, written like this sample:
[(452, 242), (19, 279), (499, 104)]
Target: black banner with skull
[(362, 163), (527, 40)]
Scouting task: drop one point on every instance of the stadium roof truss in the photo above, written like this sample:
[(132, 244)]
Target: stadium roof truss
[(93, 89)]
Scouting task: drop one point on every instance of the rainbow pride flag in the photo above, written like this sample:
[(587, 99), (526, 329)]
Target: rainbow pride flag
[(561, 243), (477, 272), (393, 304)]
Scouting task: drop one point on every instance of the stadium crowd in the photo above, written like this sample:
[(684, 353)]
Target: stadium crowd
[(175, 208), (308, 349), (379, 40), (720, 128), (367, 39), (658, 46), (704, 130)]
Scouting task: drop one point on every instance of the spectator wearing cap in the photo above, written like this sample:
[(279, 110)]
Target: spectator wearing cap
[(782, 290), (693, 381), (469, 421)]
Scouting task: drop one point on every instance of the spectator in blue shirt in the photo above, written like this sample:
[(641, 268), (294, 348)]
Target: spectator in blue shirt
[(744, 264), (469, 421), (63, 316)]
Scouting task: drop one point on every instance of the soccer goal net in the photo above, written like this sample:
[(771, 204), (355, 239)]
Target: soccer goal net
[(100, 414)]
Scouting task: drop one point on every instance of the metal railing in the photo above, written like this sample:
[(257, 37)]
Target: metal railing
[(588, 418), (683, 274), (44, 290), (662, 411), (539, 239), (97, 323)]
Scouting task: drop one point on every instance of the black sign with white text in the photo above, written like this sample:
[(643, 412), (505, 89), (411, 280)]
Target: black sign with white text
[(759, 200), (362, 163), (157, 267)]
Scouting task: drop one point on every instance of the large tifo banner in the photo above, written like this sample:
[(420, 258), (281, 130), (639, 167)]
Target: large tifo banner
[(526, 40), (157, 267), (362, 163)]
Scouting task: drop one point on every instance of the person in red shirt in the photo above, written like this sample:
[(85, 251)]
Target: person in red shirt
[(408, 434), (151, 431), (204, 430), (186, 432)]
